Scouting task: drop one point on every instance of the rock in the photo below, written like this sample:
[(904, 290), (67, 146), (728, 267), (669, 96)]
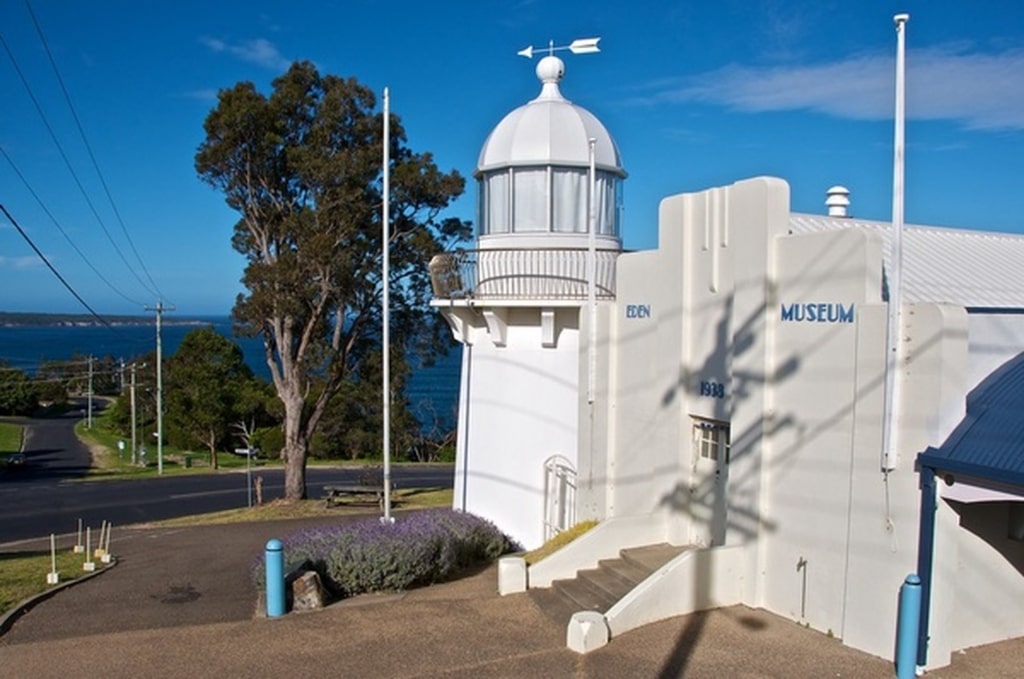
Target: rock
[(308, 592)]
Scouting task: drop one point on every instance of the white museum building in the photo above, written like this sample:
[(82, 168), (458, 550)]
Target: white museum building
[(726, 394)]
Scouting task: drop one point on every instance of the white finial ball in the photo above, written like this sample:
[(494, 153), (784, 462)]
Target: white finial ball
[(550, 69)]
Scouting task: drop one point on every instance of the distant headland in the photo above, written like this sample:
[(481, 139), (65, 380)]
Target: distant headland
[(13, 319)]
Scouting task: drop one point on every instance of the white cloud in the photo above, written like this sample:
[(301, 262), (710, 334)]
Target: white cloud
[(27, 262), (202, 94), (980, 91), (260, 51)]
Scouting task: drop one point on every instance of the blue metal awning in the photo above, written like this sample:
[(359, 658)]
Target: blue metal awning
[(988, 444)]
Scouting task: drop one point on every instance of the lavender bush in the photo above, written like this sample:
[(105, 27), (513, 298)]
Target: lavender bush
[(418, 549)]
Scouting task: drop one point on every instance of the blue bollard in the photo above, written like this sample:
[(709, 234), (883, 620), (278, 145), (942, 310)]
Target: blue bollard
[(275, 578), (909, 617)]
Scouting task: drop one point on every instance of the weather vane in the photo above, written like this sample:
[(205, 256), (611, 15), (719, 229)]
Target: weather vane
[(580, 46)]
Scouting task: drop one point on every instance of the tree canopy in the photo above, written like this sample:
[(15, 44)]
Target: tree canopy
[(17, 393), (210, 389), (302, 167)]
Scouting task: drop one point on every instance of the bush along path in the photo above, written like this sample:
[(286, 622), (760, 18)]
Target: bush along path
[(420, 548)]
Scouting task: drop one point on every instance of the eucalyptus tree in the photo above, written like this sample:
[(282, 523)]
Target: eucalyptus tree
[(208, 388), (18, 394), (302, 168)]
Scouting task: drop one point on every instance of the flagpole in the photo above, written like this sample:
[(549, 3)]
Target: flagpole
[(893, 383), (386, 333), (592, 277)]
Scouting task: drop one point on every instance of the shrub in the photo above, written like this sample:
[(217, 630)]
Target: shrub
[(419, 548)]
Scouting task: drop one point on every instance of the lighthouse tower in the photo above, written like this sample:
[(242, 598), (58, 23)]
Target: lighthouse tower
[(549, 182)]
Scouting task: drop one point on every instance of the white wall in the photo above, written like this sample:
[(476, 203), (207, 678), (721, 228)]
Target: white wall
[(597, 424), (993, 340), (815, 400), (831, 536), (522, 409), (701, 321), (990, 571), (885, 509), (641, 471)]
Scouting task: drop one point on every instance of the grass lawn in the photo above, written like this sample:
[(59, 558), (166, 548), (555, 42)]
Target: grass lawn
[(407, 498), (23, 574), (109, 462), (10, 438)]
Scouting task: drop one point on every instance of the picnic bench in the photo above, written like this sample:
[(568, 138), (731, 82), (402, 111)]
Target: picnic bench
[(336, 495)]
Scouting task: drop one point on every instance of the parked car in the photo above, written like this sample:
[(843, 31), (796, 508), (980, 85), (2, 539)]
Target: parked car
[(17, 462)]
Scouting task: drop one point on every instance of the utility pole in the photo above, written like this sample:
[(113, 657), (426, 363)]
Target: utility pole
[(88, 421), (134, 445), (159, 309)]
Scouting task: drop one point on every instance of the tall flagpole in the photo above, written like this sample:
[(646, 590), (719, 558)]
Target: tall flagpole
[(386, 334), (592, 277), (893, 383)]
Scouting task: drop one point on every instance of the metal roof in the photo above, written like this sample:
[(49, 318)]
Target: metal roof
[(988, 444), (955, 266), (549, 130)]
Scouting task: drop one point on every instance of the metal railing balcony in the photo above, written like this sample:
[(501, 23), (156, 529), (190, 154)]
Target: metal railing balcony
[(521, 273)]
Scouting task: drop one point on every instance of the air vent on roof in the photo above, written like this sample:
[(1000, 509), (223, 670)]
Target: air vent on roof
[(837, 201)]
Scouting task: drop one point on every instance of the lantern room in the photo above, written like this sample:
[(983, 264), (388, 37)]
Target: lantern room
[(534, 173)]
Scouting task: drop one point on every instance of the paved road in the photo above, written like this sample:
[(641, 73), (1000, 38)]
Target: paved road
[(51, 495)]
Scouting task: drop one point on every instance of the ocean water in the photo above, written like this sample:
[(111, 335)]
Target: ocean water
[(432, 391)]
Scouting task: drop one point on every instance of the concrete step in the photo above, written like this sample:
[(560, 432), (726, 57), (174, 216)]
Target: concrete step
[(598, 589), (651, 557), (586, 596), (556, 607), (607, 581), (629, 573)]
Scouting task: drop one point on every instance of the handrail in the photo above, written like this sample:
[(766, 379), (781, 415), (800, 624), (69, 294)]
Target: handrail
[(521, 273)]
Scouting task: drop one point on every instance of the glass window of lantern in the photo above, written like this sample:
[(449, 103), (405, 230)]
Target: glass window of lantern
[(618, 205), (494, 203), (569, 192), (607, 204), (530, 199)]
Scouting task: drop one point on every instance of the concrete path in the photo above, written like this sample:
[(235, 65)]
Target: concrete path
[(179, 604)]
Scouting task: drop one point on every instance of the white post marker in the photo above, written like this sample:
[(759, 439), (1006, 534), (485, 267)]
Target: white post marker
[(248, 474), (79, 547), (53, 577), (98, 552), (106, 547), (248, 471), (89, 564)]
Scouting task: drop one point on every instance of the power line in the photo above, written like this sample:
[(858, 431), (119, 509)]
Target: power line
[(67, 164), (88, 147), (64, 233), (53, 269)]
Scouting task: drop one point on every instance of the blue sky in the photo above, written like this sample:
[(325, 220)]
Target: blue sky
[(696, 93)]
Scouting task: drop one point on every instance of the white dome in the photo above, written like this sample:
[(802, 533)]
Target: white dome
[(550, 130)]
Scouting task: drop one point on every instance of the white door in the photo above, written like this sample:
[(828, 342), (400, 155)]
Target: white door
[(709, 506)]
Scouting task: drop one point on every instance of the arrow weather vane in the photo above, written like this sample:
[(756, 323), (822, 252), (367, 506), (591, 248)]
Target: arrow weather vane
[(580, 46)]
